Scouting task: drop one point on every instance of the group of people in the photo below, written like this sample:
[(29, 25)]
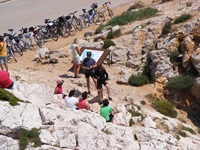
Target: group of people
[(97, 72), (99, 76), (5, 81)]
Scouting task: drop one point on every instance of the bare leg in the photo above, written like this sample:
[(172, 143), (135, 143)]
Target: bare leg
[(2, 68), (6, 66), (101, 93), (108, 90), (88, 83), (95, 82), (77, 69)]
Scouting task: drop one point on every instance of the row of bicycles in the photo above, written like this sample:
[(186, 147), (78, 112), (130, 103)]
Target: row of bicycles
[(63, 26)]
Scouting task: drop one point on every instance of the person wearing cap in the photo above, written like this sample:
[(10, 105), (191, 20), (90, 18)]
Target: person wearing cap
[(88, 65), (3, 54), (76, 58), (58, 88)]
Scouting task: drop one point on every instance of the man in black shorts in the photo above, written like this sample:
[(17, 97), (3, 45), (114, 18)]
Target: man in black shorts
[(88, 65)]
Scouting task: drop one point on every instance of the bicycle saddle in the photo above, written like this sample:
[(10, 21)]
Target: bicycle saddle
[(67, 17), (84, 10), (46, 20), (11, 30)]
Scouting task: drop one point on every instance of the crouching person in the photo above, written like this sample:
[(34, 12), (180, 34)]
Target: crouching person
[(5, 81), (106, 111)]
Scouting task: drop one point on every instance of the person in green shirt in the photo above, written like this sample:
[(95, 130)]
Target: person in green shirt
[(106, 111)]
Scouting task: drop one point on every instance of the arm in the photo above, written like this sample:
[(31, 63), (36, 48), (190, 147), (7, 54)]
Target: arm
[(106, 74), (78, 50), (56, 91), (88, 106)]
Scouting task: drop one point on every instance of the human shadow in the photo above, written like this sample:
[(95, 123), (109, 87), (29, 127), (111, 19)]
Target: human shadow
[(66, 76), (95, 99)]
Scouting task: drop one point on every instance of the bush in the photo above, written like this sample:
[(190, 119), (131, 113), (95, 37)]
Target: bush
[(143, 102), (26, 136), (164, 107), (138, 80), (115, 34), (131, 122), (136, 6), (146, 69), (174, 56), (181, 133), (108, 43), (188, 129), (99, 29), (7, 96), (166, 29), (180, 83), (128, 17), (182, 18)]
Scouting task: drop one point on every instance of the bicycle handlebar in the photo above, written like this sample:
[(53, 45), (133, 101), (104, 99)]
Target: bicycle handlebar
[(106, 3)]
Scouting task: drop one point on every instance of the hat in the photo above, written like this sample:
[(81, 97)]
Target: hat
[(89, 53), (59, 81)]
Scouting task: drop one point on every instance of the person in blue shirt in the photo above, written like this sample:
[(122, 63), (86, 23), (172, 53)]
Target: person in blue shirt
[(88, 65)]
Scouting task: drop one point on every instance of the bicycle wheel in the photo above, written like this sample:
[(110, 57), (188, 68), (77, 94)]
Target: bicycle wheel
[(43, 32), (98, 18), (28, 43), (11, 53), (78, 25), (64, 31), (72, 29), (53, 33), (17, 49), (110, 13), (86, 22), (22, 44), (38, 40)]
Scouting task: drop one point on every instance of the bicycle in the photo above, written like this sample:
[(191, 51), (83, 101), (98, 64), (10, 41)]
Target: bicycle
[(105, 8), (75, 21), (93, 15), (26, 38)]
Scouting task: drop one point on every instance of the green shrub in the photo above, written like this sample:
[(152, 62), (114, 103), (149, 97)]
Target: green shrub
[(99, 29), (166, 29), (180, 83), (174, 56), (128, 17), (112, 34), (26, 136), (164, 107), (146, 69), (143, 102), (108, 43), (131, 122), (136, 5), (107, 132), (7, 96), (182, 133), (188, 129), (134, 113), (182, 18), (138, 80)]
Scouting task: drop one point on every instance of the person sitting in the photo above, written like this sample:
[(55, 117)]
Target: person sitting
[(71, 101), (83, 104), (106, 111), (58, 88), (5, 81)]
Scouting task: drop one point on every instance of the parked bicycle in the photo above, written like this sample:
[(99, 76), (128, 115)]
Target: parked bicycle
[(105, 8), (26, 38), (37, 37), (76, 21)]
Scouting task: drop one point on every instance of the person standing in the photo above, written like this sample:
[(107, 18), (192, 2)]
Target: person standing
[(88, 65), (83, 104), (76, 58), (102, 79), (5, 81), (71, 101), (106, 111), (3, 54)]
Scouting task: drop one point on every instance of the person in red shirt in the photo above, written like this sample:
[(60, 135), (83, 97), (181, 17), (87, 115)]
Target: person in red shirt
[(5, 81), (83, 104)]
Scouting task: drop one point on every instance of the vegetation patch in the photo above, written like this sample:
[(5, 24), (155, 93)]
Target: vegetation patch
[(182, 18), (180, 83), (108, 43), (164, 107), (114, 34), (99, 29), (136, 5), (146, 69), (188, 129), (138, 80), (143, 102), (26, 136), (131, 122), (174, 56), (106, 131), (166, 28), (128, 17), (182, 133), (11, 98)]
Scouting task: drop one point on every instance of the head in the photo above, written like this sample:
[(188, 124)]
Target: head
[(105, 102), (100, 67), (76, 41), (84, 95), (89, 54), (71, 93), (1, 38), (59, 82)]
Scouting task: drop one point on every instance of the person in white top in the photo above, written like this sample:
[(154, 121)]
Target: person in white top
[(71, 101), (76, 58)]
